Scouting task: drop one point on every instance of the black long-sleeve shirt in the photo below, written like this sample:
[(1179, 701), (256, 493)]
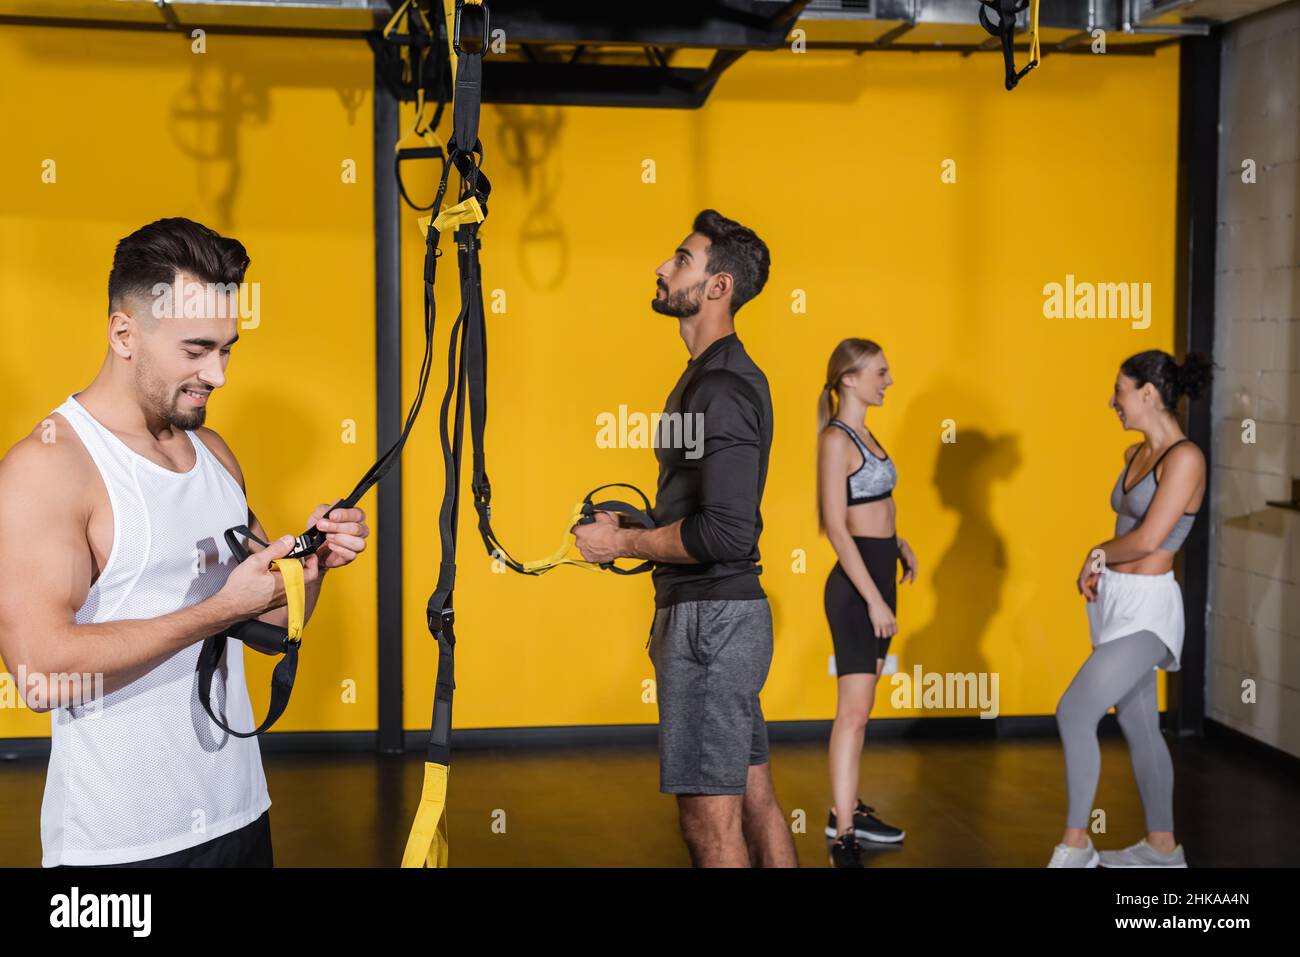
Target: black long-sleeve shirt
[(712, 445)]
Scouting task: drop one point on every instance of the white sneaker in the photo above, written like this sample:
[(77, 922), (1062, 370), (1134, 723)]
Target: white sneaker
[(1066, 856), (1143, 854)]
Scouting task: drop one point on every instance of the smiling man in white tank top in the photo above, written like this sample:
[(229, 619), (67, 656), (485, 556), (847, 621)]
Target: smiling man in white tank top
[(114, 564)]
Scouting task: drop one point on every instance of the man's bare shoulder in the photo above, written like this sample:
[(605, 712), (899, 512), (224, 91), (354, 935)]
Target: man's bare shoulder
[(50, 459), (47, 483)]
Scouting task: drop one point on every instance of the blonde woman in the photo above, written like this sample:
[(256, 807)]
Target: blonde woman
[(855, 508)]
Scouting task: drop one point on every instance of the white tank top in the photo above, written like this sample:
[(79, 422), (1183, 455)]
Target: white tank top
[(144, 772)]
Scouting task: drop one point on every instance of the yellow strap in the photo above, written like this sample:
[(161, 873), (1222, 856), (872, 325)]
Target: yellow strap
[(1033, 31), (557, 557), (397, 17), (468, 211), (423, 137), (427, 845), (295, 593), (449, 13)]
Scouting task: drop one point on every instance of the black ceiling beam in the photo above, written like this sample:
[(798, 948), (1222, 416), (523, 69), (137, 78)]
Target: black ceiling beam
[(592, 84), (171, 26), (553, 40), (703, 24), (966, 49)]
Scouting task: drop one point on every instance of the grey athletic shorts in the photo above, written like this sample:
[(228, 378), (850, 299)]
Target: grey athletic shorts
[(711, 659)]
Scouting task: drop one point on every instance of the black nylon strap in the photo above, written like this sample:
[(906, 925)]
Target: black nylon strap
[(465, 373), (623, 508), (281, 682), (465, 105), (1005, 29), (439, 750), (259, 635)]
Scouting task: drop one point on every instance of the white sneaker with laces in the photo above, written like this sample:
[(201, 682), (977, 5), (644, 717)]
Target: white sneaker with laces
[(1066, 856), (1143, 854)]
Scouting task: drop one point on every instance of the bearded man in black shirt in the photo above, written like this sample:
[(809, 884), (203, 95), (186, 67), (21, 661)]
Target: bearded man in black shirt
[(711, 642)]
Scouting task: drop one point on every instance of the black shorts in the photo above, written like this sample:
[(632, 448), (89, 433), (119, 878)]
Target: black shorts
[(250, 846), (857, 649)]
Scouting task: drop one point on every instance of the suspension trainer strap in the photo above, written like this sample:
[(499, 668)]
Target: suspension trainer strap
[(466, 388), (1004, 27), (269, 639), (427, 843)]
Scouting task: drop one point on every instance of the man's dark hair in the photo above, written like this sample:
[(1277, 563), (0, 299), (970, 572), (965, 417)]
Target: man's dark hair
[(737, 250), (155, 253)]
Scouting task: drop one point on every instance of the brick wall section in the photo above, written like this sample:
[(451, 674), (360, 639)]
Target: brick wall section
[(1254, 626)]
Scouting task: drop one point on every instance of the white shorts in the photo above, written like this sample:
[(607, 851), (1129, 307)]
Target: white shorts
[(1129, 603)]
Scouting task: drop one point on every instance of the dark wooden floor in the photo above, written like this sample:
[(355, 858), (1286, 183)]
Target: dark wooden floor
[(964, 803)]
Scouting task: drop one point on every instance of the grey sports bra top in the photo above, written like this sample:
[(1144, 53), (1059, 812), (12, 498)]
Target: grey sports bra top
[(1131, 506), (876, 478)]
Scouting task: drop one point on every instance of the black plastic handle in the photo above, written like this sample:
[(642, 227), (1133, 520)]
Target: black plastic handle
[(308, 543), (268, 639)]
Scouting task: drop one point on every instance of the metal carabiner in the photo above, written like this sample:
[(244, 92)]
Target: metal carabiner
[(482, 34)]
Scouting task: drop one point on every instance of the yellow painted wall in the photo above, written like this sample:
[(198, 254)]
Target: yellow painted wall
[(834, 160), (249, 139)]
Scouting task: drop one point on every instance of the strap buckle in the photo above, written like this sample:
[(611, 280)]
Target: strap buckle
[(308, 543), (438, 620)]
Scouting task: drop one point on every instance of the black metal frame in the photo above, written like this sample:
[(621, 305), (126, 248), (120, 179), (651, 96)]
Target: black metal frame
[(1140, 48), (169, 24), (389, 416), (570, 76), (543, 78), (701, 24), (1197, 190)]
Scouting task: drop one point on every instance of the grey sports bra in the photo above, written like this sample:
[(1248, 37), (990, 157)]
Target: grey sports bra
[(1131, 506), (876, 478)]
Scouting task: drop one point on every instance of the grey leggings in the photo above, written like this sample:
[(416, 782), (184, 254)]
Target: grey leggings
[(1118, 673)]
